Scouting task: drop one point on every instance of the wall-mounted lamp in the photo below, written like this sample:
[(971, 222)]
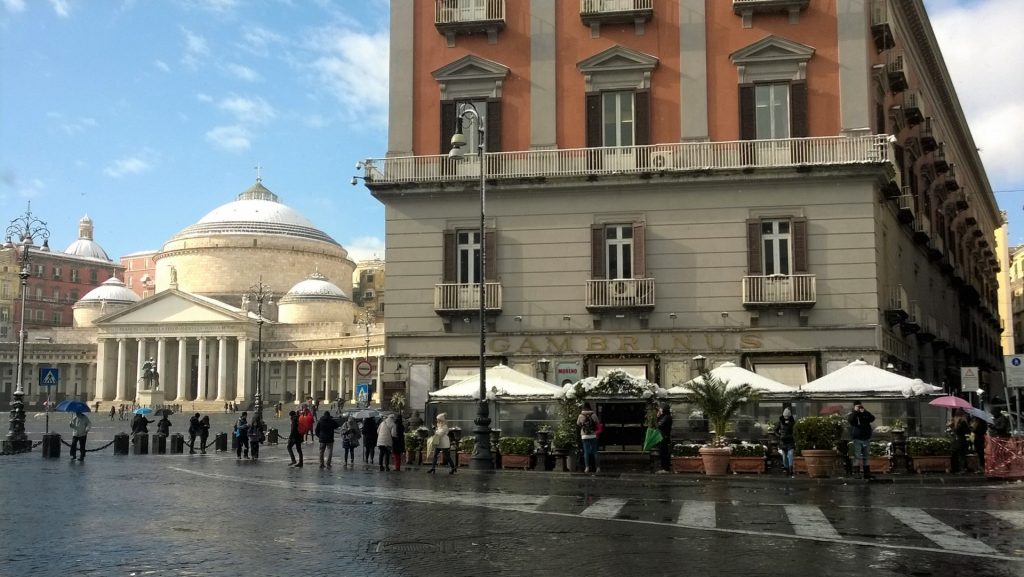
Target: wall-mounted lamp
[(673, 316), (566, 318), (518, 319), (700, 362), (543, 365), (620, 316)]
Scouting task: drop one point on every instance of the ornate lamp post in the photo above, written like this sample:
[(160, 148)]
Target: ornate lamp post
[(26, 228), (261, 294), (367, 319), (482, 458)]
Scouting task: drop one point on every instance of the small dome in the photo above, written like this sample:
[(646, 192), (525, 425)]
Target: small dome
[(85, 246), (316, 286), (112, 291)]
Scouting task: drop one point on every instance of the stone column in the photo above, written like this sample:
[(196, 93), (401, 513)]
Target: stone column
[(222, 369), (314, 379), (141, 358), (355, 378), (161, 360), (327, 380), (201, 393), (91, 382), (182, 370), (378, 393), (298, 382), (243, 384), (122, 348)]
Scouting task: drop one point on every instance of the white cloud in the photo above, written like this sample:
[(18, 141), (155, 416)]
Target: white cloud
[(258, 40), (243, 73), (78, 126), (61, 7), (127, 166), (353, 66), (978, 40), (365, 248), (230, 138), (203, 97), (255, 110), (14, 5), (160, 64), (196, 49), (217, 6)]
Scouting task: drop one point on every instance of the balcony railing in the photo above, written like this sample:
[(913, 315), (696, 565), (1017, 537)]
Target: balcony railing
[(597, 12), (797, 290), (465, 297), (740, 6), (623, 293), (453, 17), (657, 158)]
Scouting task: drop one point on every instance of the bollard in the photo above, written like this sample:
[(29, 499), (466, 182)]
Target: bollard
[(272, 437), (177, 444), (159, 445), (140, 444), (220, 442), (121, 444), (51, 446)]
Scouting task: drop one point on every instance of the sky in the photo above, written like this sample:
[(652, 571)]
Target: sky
[(148, 114)]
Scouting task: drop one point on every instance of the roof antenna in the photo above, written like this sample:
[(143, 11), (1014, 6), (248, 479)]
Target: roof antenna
[(259, 166)]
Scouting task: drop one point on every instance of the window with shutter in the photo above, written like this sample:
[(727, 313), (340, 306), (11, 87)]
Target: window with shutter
[(777, 246)]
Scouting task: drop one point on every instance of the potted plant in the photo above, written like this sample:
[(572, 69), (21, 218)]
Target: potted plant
[(466, 447), (816, 440), (686, 458), (748, 458), (930, 454), (515, 452), (878, 456), (718, 403)]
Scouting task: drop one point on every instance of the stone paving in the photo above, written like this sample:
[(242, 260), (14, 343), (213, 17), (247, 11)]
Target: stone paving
[(215, 515)]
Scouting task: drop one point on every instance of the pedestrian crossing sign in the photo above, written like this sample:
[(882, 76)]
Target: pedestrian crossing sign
[(49, 377)]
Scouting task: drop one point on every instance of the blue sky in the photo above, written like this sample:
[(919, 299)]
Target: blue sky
[(147, 114)]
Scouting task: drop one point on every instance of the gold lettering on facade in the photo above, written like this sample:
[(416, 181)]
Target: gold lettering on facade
[(709, 338), (681, 342), (627, 343), (499, 345), (527, 346), (656, 342), (559, 347), (596, 344), (751, 342)]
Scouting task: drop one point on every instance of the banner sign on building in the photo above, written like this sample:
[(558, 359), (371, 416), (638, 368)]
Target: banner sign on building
[(1014, 371), (567, 373)]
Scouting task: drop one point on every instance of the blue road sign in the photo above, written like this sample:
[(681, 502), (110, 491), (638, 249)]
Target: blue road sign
[(49, 377), (363, 394)]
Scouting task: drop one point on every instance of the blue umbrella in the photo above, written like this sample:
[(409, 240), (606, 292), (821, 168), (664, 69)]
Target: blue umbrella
[(143, 411), (72, 406)]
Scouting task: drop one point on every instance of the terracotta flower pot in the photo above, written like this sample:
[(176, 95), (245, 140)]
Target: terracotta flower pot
[(687, 465), (936, 464), (716, 460), (820, 462), (747, 464)]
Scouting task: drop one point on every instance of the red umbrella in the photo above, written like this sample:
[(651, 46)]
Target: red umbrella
[(950, 402), (831, 410)]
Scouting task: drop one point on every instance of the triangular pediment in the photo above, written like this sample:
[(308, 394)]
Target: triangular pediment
[(772, 49), (174, 306), (471, 68), (617, 58)]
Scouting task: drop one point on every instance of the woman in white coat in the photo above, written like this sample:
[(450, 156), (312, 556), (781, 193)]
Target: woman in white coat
[(442, 444), (385, 431)]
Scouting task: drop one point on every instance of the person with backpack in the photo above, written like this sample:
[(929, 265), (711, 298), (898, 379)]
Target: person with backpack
[(588, 423), (350, 439), (257, 434), (787, 443), (193, 430), (242, 436)]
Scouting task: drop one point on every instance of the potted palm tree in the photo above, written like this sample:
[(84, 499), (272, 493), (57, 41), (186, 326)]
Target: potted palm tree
[(718, 402)]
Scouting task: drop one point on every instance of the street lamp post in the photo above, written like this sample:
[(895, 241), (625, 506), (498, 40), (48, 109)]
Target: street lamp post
[(367, 320), (262, 295), (26, 228), (482, 458)]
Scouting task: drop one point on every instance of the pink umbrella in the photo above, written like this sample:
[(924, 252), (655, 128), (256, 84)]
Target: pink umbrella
[(950, 402)]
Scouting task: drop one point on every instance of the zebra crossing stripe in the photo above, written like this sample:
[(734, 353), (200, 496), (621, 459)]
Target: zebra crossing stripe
[(604, 509), (938, 532), (809, 521), (1014, 517), (697, 514)]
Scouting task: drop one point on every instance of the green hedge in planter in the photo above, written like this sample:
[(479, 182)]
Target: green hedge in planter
[(515, 445), (748, 450), (875, 449), (467, 444), (683, 450), (929, 446), (413, 442), (818, 432)]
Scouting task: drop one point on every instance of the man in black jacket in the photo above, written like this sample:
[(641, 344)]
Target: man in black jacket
[(860, 431), (294, 439)]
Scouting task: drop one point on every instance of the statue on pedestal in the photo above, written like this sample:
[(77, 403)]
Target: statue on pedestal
[(150, 377)]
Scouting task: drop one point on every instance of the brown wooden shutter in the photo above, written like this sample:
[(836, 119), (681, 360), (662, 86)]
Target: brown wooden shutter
[(597, 252), (593, 111), (799, 245), (449, 117), (642, 111), (639, 250), (798, 109), (450, 249), (754, 247), (494, 125), (748, 113), (491, 246)]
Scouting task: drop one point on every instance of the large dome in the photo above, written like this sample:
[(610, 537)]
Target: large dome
[(85, 246), (255, 211)]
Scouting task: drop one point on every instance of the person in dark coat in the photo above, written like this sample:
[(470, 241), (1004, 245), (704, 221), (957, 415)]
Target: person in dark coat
[(140, 424), (398, 442), (369, 439), (980, 429), (787, 443), (257, 430), (242, 436), (204, 432), (294, 439), (350, 434), (193, 430), (163, 426), (960, 429), (860, 431), (1000, 423), (664, 424), (324, 431)]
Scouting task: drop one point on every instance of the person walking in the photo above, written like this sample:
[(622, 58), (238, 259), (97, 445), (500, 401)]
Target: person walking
[(369, 428), (664, 424), (960, 428), (294, 439), (442, 444), (385, 437), (398, 442), (860, 431), (80, 426), (1000, 423), (350, 439), (587, 422), (140, 424), (979, 431), (193, 430), (257, 434), (306, 422), (787, 443), (113, 411), (163, 426), (204, 432), (242, 436), (325, 432)]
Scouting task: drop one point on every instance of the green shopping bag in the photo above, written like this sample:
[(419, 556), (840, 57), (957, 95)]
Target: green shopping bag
[(652, 438)]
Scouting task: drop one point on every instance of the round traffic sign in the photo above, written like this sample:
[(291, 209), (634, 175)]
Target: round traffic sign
[(364, 368)]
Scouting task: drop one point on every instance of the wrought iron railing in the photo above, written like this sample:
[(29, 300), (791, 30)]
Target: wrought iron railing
[(779, 289), (454, 297), (620, 293)]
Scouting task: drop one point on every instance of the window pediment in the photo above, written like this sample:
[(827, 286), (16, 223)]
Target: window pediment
[(471, 76), (772, 58), (616, 68)]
